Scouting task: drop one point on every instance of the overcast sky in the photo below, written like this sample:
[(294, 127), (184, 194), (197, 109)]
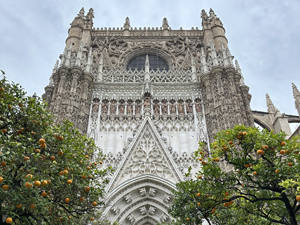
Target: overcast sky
[(263, 36)]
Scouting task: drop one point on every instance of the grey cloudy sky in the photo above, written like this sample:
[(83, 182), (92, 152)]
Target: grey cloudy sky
[(262, 35)]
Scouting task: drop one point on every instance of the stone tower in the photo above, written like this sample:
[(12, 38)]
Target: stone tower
[(148, 96)]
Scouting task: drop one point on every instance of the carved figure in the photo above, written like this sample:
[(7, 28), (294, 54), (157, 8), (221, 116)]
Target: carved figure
[(198, 107), (173, 108), (180, 108), (129, 109), (147, 102), (112, 108), (121, 109), (156, 109), (95, 107), (189, 108), (104, 108), (164, 108), (137, 109)]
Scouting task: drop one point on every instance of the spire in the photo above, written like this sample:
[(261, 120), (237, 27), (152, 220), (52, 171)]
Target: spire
[(100, 68), (165, 24), (239, 71), (147, 68), (296, 92), (127, 23), (55, 67), (270, 105)]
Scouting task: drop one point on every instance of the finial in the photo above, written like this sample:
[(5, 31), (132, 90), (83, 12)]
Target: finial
[(55, 67), (203, 15), (238, 68), (212, 13), (165, 23), (90, 14), (81, 13), (127, 23)]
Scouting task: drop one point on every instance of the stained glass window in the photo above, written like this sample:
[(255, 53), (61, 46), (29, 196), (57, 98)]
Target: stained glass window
[(155, 62)]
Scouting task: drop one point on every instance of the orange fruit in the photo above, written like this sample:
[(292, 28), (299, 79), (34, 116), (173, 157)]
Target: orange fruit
[(67, 200), (282, 152), (1, 180), (32, 206), (244, 133), (49, 181), (199, 203), (290, 164), (37, 151), (260, 152), (52, 158), (8, 220), (94, 203), (87, 189), (226, 193), (26, 158), (88, 167), (5, 187), (92, 218), (87, 156), (81, 199), (60, 218), (37, 183), (254, 173), (200, 159), (187, 218), (28, 185), (29, 176), (282, 143), (298, 198), (44, 194), (60, 153), (4, 131), (198, 194), (3, 163), (90, 176), (61, 172), (69, 181), (100, 162), (69, 217), (230, 142), (42, 141), (65, 171), (44, 183), (213, 210), (277, 171), (83, 177), (18, 206), (60, 138)]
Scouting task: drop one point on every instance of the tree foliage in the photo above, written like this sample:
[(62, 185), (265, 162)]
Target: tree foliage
[(47, 175), (252, 177)]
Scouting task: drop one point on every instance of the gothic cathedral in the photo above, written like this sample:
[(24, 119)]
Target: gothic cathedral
[(148, 96)]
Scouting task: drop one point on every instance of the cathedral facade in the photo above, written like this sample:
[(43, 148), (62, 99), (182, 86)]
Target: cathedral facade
[(148, 96)]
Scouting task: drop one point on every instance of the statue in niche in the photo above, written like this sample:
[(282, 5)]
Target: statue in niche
[(147, 102), (156, 108), (138, 108), (164, 108), (180, 108), (198, 107), (129, 109), (121, 108), (189, 108), (104, 108), (95, 107), (173, 109), (112, 109)]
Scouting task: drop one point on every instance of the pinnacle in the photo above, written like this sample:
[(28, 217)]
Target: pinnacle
[(296, 92), (270, 105)]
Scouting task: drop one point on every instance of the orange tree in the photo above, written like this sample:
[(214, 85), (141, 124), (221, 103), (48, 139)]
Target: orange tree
[(250, 171), (47, 175)]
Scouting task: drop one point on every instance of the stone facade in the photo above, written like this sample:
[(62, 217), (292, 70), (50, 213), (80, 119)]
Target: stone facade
[(149, 118)]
